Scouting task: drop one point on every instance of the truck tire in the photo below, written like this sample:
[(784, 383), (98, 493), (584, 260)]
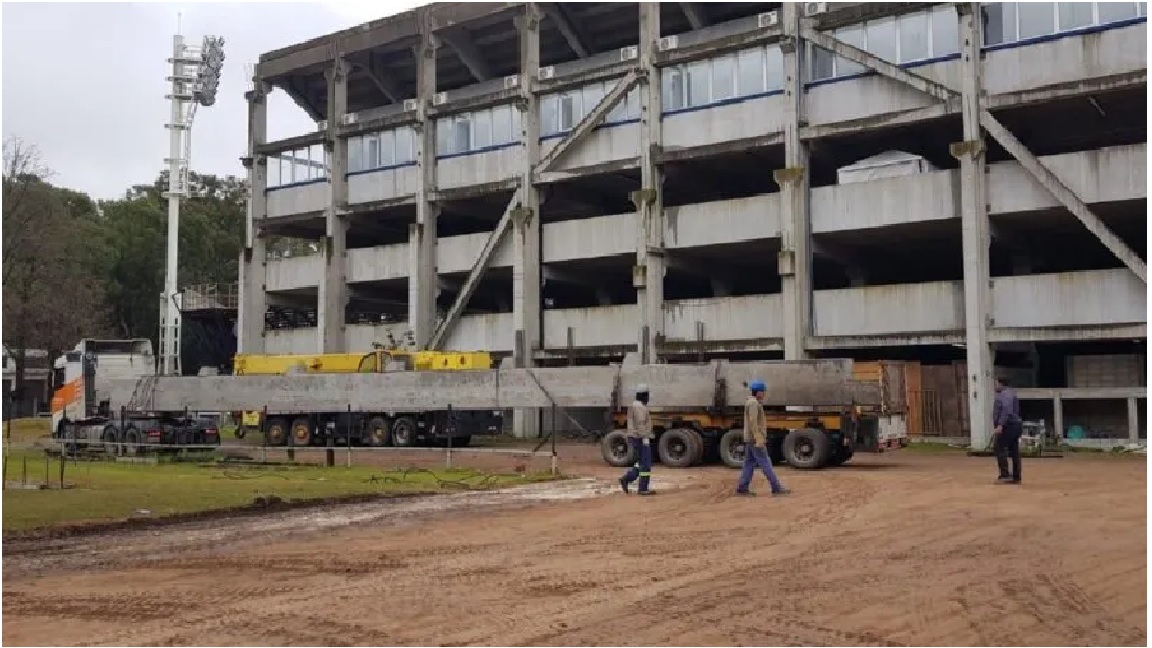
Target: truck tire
[(680, 448), (131, 441), (807, 449), (732, 448), (276, 432), (404, 432), (301, 433), (840, 456), (377, 432), (111, 438), (616, 450)]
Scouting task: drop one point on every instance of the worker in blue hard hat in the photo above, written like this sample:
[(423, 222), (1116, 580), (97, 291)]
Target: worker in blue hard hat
[(640, 438), (756, 442)]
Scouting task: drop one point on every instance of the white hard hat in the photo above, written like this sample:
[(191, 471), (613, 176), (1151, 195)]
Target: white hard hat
[(642, 388)]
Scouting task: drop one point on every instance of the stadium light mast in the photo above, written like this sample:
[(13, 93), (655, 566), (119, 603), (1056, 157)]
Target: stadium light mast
[(195, 78)]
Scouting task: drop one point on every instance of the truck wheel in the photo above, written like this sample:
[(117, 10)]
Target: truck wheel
[(807, 448), (377, 432), (131, 441), (404, 432), (301, 433), (733, 448), (110, 437), (679, 448), (276, 432), (840, 456), (616, 450)]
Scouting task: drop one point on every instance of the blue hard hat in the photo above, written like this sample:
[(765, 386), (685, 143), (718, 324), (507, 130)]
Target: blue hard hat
[(757, 386)]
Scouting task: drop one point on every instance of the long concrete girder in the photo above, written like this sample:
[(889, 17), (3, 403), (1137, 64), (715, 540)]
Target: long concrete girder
[(1044, 176), (815, 383)]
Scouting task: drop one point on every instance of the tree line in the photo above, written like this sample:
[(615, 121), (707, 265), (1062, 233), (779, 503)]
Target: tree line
[(74, 267)]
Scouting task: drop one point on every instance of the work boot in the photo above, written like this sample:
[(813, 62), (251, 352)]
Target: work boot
[(646, 492), (624, 484), (745, 493), (782, 491)]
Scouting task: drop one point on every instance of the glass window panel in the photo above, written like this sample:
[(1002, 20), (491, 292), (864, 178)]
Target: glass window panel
[(750, 72), (699, 92), (853, 35), (355, 154), (672, 87), (502, 124), (482, 129), (387, 148), (773, 68), (1142, 8), (275, 166), (296, 173), (1036, 19), (462, 134), (590, 95), (569, 104), (882, 39), (1114, 11), (914, 29), (317, 162), (619, 112), (1073, 15), (444, 137), (723, 77), (405, 145), (822, 66), (549, 115), (999, 22), (517, 130), (945, 31), (371, 151), (633, 104)]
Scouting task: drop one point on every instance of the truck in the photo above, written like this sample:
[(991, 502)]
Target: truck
[(377, 428), (84, 419)]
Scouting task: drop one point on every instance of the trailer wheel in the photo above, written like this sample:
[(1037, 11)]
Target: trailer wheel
[(111, 439), (679, 448), (404, 432), (276, 432), (301, 433), (807, 448), (733, 448), (131, 441), (616, 450), (379, 436), (840, 456)]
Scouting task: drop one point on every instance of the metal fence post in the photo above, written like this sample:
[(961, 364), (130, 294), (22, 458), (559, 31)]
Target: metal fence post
[(120, 433), (555, 465), (348, 436), (449, 430), (264, 434)]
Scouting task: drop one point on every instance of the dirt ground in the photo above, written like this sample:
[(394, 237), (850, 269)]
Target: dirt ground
[(903, 549)]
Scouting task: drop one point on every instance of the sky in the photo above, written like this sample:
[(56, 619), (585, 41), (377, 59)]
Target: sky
[(85, 82)]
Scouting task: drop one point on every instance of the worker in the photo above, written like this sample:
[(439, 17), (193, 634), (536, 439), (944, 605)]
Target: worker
[(640, 438), (756, 443), (1006, 429)]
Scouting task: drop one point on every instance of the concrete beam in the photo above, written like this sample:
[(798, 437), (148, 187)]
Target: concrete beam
[(332, 300), (572, 32), (458, 40), (648, 274), (695, 15), (253, 258), (298, 97), (422, 285), (589, 123), (379, 78), (1065, 196), (292, 143)]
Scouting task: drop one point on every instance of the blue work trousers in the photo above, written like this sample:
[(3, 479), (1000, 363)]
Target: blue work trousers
[(754, 457), (643, 466)]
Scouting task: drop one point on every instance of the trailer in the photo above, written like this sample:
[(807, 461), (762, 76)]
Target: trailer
[(84, 418), (305, 426)]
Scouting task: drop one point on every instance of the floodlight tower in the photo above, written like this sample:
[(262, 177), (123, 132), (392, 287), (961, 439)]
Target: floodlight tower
[(195, 77)]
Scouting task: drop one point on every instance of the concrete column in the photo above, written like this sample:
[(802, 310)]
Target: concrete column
[(975, 230), (1133, 420), (648, 274), (253, 264), (526, 270), (422, 277), (794, 262), (333, 298), (1058, 414)]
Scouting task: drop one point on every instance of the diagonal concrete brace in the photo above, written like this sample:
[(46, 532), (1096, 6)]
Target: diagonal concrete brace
[(590, 122)]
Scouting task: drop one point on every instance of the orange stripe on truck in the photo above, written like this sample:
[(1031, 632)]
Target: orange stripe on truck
[(68, 394)]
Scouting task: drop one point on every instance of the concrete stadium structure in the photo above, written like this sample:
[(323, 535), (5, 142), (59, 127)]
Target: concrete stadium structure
[(570, 182)]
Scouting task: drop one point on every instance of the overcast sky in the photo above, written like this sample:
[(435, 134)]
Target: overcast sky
[(85, 82)]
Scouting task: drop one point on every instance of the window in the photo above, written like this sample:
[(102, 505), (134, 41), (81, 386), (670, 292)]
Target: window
[(853, 35), (590, 96), (914, 31), (502, 124), (482, 129), (387, 148), (822, 64), (372, 151), (699, 92), (773, 68), (1116, 11), (999, 22), (945, 31), (549, 115), (462, 134), (883, 40), (750, 72), (355, 154), (1036, 19), (1074, 15), (317, 162), (405, 145), (568, 107), (619, 112), (723, 78), (672, 88)]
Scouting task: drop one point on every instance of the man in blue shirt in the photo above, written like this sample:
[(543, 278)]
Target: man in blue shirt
[(1006, 429)]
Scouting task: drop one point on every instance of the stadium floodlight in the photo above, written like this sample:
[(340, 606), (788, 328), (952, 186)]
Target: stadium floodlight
[(195, 78)]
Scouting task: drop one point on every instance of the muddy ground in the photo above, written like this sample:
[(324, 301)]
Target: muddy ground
[(904, 549)]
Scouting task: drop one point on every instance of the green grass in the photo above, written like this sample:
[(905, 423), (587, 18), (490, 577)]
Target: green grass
[(105, 491), (26, 431)]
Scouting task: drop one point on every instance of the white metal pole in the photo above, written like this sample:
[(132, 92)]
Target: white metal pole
[(169, 312)]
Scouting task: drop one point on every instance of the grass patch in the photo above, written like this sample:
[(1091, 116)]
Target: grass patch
[(26, 431), (107, 491)]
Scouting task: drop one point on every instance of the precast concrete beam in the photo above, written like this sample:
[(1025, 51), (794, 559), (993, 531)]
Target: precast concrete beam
[(1065, 196), (589, 123), (253, 258), (572, 32), (379, 78)]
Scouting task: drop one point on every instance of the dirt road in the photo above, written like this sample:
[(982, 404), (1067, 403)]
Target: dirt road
[(900, 550)]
